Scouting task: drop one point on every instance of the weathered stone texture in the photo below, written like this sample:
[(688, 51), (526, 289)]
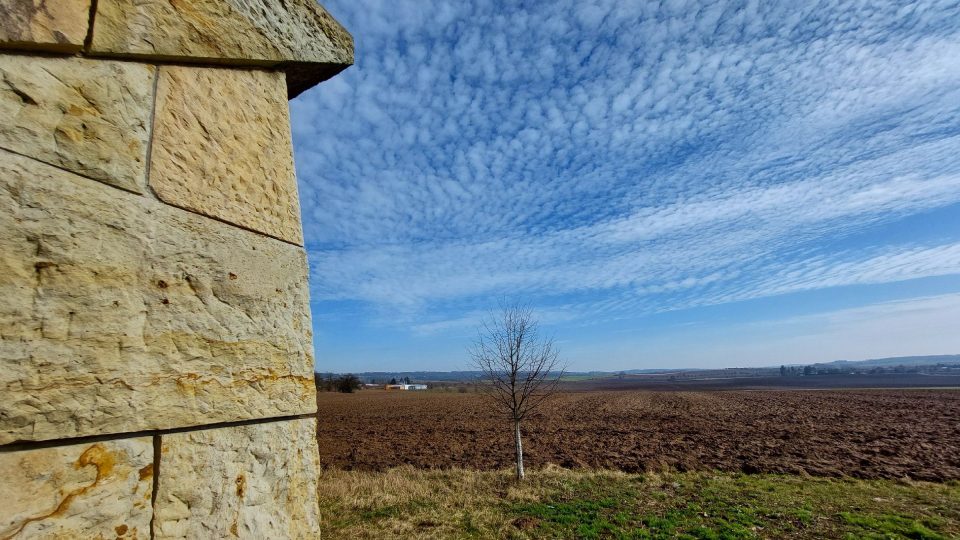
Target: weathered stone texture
[(97, 490), (299, 34), (90, 117), (232, 158), (254, 481), (120, 313), (51, 25)]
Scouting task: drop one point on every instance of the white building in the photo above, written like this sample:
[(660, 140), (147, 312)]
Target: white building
[(405, 387)]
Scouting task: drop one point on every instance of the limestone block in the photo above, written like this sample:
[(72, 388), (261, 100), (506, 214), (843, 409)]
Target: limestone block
[(96, 490), (90, 117), (58, 26), (121, 313), (298, 34), (230, 158), (254, 481)]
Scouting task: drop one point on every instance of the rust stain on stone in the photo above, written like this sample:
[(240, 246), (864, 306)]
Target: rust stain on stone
[(96, 456), (72, 134), (146, 471), (241, 485), (187, 10), (77, 110), (189, 382), (221, 349), (99, 457)]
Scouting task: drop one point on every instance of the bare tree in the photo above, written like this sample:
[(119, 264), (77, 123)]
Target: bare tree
[(519, 365)]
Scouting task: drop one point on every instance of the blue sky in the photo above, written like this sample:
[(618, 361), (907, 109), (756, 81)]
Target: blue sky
[(682, 184)]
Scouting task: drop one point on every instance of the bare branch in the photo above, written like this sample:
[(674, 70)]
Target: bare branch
[(520, 366)]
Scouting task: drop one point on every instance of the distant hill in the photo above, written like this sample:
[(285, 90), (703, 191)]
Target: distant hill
[(460, 376), (931, 360)]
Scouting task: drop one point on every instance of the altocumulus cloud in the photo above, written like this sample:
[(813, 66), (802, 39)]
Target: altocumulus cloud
[(604, 158)]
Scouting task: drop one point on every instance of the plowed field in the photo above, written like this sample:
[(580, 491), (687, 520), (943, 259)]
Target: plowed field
[(860, 433)]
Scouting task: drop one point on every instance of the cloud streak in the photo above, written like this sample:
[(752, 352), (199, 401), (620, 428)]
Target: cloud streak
[(915, 326), (626, 159)]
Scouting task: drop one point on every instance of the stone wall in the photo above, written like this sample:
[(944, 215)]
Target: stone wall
[(156, 367)]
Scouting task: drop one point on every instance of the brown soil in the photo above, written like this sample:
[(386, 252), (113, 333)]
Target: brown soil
[(861, 433)]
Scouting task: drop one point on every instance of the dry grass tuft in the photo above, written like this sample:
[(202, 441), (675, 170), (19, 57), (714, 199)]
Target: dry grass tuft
[(559, 503)]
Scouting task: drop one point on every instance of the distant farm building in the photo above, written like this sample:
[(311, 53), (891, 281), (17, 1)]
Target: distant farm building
[(405, 387)]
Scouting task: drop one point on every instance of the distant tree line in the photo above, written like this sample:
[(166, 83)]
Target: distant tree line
[(328, 382), (810, 370)]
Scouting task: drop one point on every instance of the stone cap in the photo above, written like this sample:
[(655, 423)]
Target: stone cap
[(297, 36)]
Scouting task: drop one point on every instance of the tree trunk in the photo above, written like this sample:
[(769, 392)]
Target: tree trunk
[(519, 445)]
